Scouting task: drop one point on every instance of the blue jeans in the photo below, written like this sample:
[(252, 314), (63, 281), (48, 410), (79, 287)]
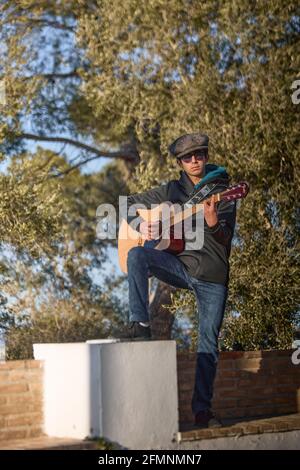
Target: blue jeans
[(144, 261)]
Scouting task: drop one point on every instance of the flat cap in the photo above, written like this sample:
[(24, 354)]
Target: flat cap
[(187, 143)]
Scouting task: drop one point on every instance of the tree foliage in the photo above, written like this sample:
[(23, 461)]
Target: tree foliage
[(129, 77), (53, 288)]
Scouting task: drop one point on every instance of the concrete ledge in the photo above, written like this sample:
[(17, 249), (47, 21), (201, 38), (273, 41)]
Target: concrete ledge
[(243, 428), (48, 443), (281, 432), (125, 392)]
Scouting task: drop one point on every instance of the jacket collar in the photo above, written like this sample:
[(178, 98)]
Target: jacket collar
[(187, 184)]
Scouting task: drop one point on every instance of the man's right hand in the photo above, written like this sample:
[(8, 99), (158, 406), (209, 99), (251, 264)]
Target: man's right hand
[(150, 231)]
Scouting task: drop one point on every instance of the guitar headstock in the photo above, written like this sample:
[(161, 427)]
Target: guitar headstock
[(237, 191)]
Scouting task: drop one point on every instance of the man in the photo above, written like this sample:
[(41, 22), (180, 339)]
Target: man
[(205, 271)]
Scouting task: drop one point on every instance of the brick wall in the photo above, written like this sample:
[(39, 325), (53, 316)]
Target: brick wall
[(248, 384), (254, 383), (20, 399)]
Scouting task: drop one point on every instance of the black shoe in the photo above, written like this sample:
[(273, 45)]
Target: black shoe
[(207, 419), (134, 332)]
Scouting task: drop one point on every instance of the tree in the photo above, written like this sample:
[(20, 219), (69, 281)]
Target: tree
[(41, 70), (50, 290), (226, 68), (141, 75)]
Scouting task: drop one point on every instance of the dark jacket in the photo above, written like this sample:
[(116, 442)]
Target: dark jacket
[(210, 263)]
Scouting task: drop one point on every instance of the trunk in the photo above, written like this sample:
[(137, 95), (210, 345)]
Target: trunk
[(161, 318)]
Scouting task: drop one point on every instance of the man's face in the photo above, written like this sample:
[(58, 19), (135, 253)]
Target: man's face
[(193, 163)]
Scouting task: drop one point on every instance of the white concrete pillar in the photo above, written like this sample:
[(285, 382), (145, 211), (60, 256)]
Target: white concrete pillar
[(125, 392)]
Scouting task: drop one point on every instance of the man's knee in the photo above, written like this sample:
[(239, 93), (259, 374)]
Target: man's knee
[(135, 254)]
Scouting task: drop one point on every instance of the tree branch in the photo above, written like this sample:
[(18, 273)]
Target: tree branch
[(41, 22), (127, 154), (73, 167), (51, 76)]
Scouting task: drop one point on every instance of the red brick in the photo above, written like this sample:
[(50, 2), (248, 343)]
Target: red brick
[(263, 391), (35, 386), (263, 410), (277, 364), (244, 382), (227, 403), (189, 366), (285, 389), (10, 409), (184, 377), (13, 388), (283, 399), (274, 380), (12, 434), (267, 426), (284, 409), (197, 434), (225, 373), (25, 375), (252, 354), (186, 386), (250, 428), (24, 420), (34, 364), (34, 431), (247, 402), (234, 393), (228, 364), (286, 379), (225, 355), (240, 354), (24, 398), (186, 362), (11, 365), (286, 352), (282, 426), (186, 418), (17, 376), (185, 354), (246, 364), (230, 413), (4, 375), (225, 383), (22, 364)]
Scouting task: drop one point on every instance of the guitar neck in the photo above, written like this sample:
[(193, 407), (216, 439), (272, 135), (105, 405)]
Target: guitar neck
[(189, 211)]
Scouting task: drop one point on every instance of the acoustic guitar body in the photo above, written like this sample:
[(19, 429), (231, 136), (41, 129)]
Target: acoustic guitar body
[(130, 238)]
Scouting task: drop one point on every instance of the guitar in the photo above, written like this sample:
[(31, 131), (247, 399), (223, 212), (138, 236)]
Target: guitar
[(129, 238)]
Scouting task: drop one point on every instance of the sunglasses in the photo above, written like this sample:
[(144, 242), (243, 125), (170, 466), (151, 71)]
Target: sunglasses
[(198, 154)]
